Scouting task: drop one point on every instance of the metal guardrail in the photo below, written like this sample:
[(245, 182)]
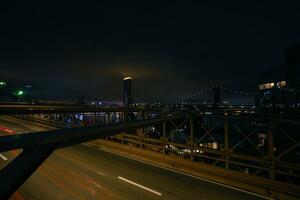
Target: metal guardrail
[(260, 146), (32, 108), (21, 108), (235, 135)]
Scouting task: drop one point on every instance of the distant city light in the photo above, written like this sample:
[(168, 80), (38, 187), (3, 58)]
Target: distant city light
[(20, 92), (266, 86), (2, 83), (281, 84)]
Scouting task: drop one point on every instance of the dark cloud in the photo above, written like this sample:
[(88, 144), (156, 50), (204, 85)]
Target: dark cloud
[(171, 48)]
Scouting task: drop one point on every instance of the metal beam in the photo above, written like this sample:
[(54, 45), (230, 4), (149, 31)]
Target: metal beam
[(68, 137), (17, 171), (37, 147), (226, 143), (271, 152), (31, 109), (192, 136)]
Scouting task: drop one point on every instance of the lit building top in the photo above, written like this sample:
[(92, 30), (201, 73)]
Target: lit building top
[(127, 78), (279, 84), (266, 86)]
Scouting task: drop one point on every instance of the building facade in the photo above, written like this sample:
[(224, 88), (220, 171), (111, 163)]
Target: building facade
[(279, 87)]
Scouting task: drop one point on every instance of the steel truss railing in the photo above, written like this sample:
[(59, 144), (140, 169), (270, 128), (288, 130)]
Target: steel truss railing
[(236, 137), (254, 145)]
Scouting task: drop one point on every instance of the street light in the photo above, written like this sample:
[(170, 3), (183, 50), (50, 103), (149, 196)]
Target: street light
[(20, 93), (2, 83)]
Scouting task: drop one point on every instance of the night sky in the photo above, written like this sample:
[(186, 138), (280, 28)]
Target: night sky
[(171, 48)]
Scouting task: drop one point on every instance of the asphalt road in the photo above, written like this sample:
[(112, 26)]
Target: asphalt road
[(83, 172)]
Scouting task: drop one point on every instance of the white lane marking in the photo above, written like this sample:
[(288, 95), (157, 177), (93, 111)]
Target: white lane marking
[(39, 129), (190, 175), (3, 157), (91, 180), (100, 173), (140, 186), (86, 144)]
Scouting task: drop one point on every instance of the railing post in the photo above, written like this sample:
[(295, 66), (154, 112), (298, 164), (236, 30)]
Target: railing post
[(95, 119), (125, 114), (107, 120), (226, 144), (164, 136), (54, 121), (271, 151), (141, 133), (145, 115), (192, 136)]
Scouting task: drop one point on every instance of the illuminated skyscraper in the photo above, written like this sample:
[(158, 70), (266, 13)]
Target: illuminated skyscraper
[(127, 94), (279, 87)]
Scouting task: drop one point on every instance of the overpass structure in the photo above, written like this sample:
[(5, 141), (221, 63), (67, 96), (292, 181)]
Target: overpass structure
[(25, 108), (241, 145)]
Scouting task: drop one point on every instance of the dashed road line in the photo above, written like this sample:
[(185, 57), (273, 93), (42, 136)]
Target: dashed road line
[(3, 157), (100, 173), (186, 174), (140, 186)]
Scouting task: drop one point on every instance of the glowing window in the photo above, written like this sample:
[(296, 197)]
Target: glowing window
[(281, 84), (266, 86)]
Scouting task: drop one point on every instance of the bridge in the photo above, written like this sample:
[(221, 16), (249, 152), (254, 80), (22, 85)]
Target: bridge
[(234, 146), (218, 95)]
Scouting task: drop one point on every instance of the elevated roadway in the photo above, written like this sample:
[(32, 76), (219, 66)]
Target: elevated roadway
[(84, 172)]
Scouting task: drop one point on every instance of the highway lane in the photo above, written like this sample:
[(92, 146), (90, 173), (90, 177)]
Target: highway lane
[(83, 172)]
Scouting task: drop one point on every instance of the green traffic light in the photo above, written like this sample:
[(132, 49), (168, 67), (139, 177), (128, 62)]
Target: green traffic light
[(20, 92)]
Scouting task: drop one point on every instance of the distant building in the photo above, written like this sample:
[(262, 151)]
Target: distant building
[(127, 93), (279, 87), (292, 55), (216, 96)]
